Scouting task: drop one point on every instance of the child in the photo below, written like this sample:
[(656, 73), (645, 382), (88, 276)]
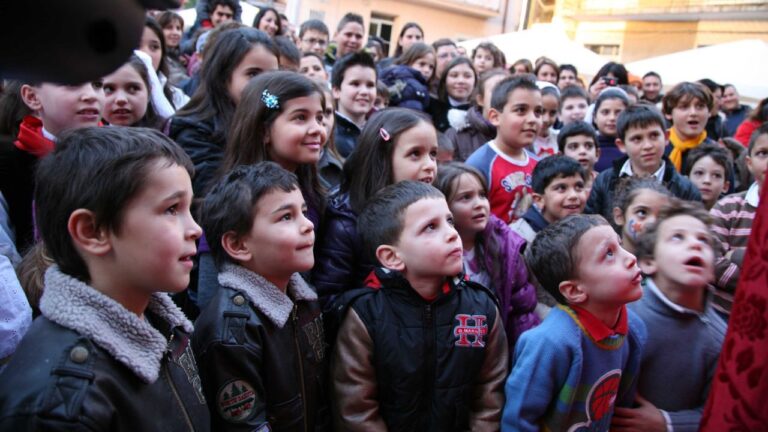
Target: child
[(420, 348), (313, 37), (710, 168), (113, 207), (676, 254), (571, 371), (454, 95), (732, 223), (578, 141), (636, 203), (290, 57), (173, 28), (55, 109), (573, 104), (492, 252), (382, 97), (545, 143), (330, 166), (477, 130), (546, 70), (516, 112), (687, 107), (487, 56), (311, 66), (408, 80), (568, 76), (396, 144), (608, 106), (640, 133), (558, 192), (354, 88), (126, 101), (153, 44), (260, 238)]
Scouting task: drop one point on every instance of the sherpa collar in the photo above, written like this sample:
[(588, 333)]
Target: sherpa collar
[(264, 295), (131, 340)]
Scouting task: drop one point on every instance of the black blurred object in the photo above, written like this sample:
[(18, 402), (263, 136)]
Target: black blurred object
[(70, 41), (609, 81)]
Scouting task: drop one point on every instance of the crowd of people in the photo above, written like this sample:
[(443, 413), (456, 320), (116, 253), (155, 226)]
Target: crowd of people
[(278, 227)]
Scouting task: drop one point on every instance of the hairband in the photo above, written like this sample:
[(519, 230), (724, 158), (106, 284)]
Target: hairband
[(270, 100)]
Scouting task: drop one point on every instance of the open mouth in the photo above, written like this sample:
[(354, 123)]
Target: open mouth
[(121, 111), (694, 262), (427, 180)]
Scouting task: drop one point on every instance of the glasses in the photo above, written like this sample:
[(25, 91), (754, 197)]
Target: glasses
[(313, 41)]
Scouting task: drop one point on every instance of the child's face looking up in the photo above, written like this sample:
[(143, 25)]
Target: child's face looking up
[(415, 154), (583, 149), (641, 211), (608, 275), (469, 205)]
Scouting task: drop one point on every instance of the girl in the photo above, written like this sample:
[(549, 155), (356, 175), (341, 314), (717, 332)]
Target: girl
[(491, 250), (153, 44), (522, 66), (611, 72), (410, 34), (201, 127), (636, 204), (608, 106), (126, 96), (454, 93), (477, 130), (173, 26), (487, 56), (545, 143), (547, 70), (268, 21), (281, 118), (330, 165), (710, 168), (396, 144), (408, 79)]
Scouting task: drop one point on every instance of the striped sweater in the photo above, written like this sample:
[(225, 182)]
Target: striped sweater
[(732, 219)]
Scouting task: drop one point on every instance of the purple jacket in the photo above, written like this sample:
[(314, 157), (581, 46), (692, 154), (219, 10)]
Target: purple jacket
[(517, 296)]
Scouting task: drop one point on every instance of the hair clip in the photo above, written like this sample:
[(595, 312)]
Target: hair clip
[(270, 100), (384, 134)]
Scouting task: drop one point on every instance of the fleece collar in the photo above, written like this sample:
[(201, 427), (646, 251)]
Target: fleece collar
[(264, 295), (131, 340)]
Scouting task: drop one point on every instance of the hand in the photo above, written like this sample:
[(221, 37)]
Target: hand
[(644, 418), (596, 88)]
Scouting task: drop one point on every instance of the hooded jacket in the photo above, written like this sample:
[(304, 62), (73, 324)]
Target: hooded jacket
[(90, 364), (472, 136)]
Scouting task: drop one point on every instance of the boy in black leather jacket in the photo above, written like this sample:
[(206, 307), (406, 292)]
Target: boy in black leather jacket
[(259, 342), (111, 351)]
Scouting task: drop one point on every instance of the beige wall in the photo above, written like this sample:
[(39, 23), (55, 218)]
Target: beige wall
[(437, 23)]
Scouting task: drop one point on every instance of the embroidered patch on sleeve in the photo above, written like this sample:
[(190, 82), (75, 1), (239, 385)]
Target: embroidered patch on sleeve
[(470, 336), (236, 401)]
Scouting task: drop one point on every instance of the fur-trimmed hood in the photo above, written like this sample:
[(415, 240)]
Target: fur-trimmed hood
[(264, 295), (131, 340)]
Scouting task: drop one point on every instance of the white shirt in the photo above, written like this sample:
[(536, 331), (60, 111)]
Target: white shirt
[(626, 170)]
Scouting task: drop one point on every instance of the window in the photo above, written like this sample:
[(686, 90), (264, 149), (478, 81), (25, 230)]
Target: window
[(382, 27), (605, 50)]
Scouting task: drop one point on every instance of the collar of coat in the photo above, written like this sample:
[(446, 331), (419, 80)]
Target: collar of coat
[(264, 295), (129, 339)]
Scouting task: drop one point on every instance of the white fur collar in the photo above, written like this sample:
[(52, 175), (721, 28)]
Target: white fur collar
[(131, 340), (264, 295)]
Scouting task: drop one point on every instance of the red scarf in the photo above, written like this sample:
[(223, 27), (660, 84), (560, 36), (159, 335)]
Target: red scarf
[(31, 139)]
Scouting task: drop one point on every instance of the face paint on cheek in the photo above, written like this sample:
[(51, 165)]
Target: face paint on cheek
[(634, 228)]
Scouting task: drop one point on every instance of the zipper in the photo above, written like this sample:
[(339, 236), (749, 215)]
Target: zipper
[(301, 365), (429, 326), (176, 394)]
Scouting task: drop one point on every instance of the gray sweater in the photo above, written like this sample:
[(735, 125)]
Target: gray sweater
[(679, 357)]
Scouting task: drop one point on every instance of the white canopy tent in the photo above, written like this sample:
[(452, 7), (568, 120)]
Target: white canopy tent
[(544, 40), (743, 63), (249, 13)]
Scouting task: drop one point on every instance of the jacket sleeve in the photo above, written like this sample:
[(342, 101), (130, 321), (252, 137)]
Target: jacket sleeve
[(488, 391), (337, 257), (596, 197), (227, 368), (354, 379), (206, 155), (726, 267), (520, 314)]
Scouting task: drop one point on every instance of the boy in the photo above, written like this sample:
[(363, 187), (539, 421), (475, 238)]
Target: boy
[(573, 104), (56, 108), (558, 191), (353, 85), (732, 223), (676, 255), (313, 37), (348, 38), (639, 134), (420, 348), (262, 333), (578, 140), (687, 107), (572, 370), (110, 347), (710, 169), (652, 88), (516, 111)]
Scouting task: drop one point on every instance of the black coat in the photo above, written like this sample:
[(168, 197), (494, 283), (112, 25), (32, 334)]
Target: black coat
[(198, 140), (345, 136)]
